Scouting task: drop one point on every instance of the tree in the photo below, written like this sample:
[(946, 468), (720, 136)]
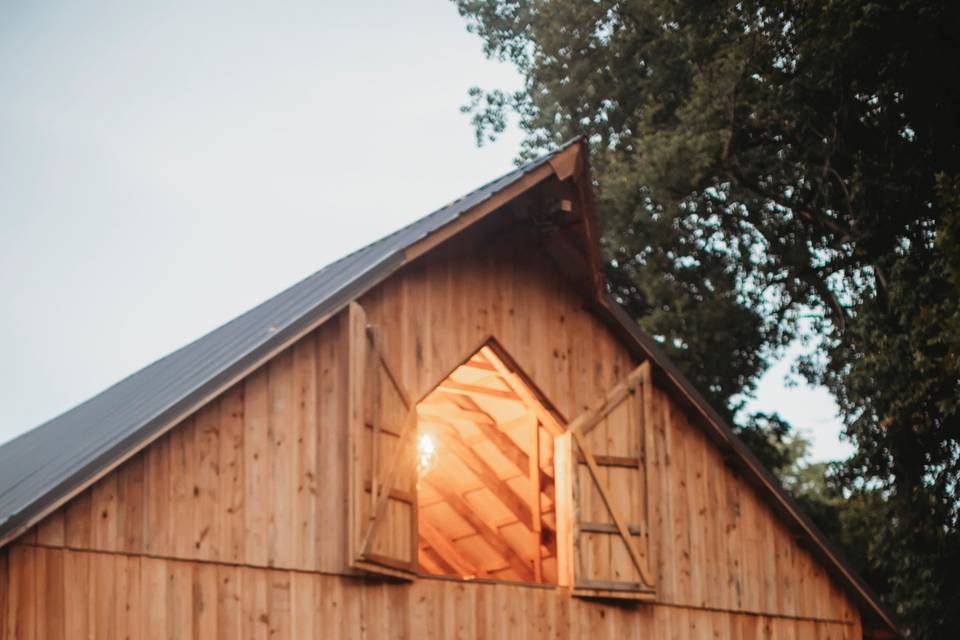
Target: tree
[(769, 169)]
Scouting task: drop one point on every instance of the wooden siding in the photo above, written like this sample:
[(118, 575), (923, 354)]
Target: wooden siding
[(255, 477), (237, 517), (80, 594)]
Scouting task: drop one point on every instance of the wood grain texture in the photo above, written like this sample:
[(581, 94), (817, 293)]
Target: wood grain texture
[(156, 598), (257, 480)]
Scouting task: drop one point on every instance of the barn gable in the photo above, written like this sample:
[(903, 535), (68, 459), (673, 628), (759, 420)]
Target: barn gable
[(255, 487)]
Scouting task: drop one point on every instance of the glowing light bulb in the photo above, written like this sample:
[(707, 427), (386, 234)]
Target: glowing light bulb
[(426, 452)]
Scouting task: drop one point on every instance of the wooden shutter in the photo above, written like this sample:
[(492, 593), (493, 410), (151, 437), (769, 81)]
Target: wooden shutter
[(382, 462), (602, 496)]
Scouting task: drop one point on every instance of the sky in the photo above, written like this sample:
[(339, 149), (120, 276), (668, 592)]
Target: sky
[(166, 166)]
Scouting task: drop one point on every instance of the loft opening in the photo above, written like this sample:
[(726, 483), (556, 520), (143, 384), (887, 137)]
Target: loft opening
[(480, 479), (485, 475)]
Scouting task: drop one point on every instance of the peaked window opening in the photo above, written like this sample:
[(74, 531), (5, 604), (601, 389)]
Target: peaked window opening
[(485, 476), (481, 479)]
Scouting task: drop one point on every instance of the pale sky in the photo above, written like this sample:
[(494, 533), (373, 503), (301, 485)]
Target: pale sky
[(165, 168)]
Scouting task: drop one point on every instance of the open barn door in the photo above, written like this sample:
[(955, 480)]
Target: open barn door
[(602, 492), (382, 463)]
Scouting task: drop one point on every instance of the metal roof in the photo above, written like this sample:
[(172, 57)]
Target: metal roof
[(40, 467)]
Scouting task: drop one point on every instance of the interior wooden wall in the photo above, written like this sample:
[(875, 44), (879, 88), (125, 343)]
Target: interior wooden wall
[(256, 480)]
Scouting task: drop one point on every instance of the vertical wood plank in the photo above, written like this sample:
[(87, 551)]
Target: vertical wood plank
[(735, 545), (718, 584), (102, 587), (23, 595), (279, 605), (256, 615), (130, 610), (229, 602), (206, 622), (281, 530), (131, 504), (77, 521), (305, 419), (180, 600), (332, 447), (51, 530), (256, 471), (158, 534), (305, 622), (103, 508), (206, 495), (355, 365), (184, 490), (681, 506), (76, 572), (231, 492)]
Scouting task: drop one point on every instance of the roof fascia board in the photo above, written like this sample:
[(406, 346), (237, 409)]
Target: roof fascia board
[(487, 207), (591, 229), (567, 162)]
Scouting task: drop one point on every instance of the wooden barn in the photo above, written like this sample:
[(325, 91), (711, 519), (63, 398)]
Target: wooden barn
[(454, 432)]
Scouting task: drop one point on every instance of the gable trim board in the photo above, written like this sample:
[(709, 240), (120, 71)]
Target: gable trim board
[(42, 469)]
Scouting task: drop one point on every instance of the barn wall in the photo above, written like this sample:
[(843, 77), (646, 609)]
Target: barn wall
[(79, 594), (256, 480), (714, 543), (255, 477)]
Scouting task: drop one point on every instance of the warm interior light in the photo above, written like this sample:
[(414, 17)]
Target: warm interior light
[(426, 452)]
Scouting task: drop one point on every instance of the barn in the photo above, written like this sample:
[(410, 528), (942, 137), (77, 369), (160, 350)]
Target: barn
[(452, 432)]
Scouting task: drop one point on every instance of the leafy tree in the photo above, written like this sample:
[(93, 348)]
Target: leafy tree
[(772, 168)]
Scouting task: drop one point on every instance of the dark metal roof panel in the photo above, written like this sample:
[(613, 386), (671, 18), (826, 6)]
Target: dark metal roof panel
[(41, 466)]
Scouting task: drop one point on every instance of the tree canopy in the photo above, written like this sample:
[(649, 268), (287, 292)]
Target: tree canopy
[(773, 171)]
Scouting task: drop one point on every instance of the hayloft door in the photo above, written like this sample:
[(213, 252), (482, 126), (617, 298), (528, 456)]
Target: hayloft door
[(382, 464), (602, 495)]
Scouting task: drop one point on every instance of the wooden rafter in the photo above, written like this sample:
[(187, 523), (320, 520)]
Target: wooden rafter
[(466, 492), (513, 452), (520, 388), (493, 432), (448, 552), (479, 363), (489, 534), (462, 387), (501, 490), (431, 561), (479, 487), (438, 406)]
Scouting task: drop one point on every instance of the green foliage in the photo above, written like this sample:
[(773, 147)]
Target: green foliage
[(766, 169), (772, 441)]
